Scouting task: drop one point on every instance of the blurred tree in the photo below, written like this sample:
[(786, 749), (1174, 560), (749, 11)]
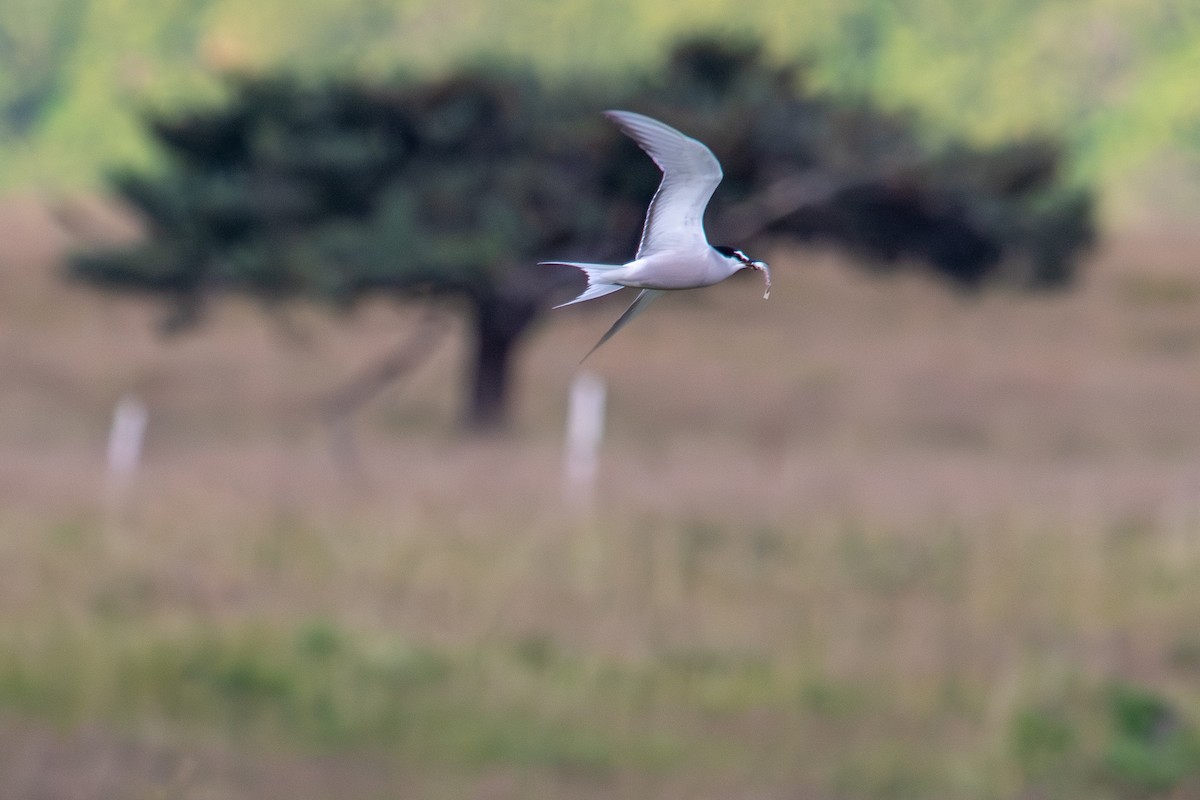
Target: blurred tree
[(338, 191), (810, 166), (454, 188)]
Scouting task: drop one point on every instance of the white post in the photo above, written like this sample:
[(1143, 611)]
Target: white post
[(125, 444), (585, 429)]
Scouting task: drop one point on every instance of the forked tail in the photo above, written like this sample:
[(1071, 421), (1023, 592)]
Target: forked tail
[(598, 285), (639, 305)]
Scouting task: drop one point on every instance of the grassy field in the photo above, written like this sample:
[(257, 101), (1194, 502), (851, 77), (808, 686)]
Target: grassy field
[(868, 539)]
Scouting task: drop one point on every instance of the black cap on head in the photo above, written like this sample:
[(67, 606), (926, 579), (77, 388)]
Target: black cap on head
[(732, 252)]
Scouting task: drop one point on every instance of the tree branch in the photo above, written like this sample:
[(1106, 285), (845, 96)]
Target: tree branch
[(779, 200), (411, 353)]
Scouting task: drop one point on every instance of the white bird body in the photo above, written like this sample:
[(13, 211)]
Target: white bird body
[(665, 270), (674, 252)]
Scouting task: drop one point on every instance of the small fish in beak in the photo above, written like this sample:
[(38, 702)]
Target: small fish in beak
[(762, 267)]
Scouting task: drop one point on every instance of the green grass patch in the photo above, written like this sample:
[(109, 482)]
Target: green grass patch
[(320, 686), (1121, 740), (1152, 749)]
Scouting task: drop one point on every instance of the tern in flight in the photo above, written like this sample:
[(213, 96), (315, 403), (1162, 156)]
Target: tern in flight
[(674, 252)]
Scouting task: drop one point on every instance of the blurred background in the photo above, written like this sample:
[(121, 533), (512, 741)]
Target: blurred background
[(284, 511)]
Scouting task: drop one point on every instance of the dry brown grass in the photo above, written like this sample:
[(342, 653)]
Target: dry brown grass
[(847, 534)]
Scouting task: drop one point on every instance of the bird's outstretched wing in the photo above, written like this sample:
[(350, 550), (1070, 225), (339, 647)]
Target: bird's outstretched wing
[(639, 305), (675, 219)]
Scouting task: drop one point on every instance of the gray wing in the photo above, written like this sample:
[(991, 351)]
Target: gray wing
[(639, 305), (675, 219)]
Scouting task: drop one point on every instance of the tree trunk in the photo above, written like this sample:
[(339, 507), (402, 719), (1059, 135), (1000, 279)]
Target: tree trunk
[(499, 324)]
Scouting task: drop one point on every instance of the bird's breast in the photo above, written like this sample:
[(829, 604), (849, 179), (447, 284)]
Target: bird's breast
[(676, 271)]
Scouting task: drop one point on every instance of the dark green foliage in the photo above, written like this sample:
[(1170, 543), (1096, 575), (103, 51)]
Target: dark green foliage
[(1152, 750), (458, 186), (1124, 741), (812, 167), (338, 190)]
